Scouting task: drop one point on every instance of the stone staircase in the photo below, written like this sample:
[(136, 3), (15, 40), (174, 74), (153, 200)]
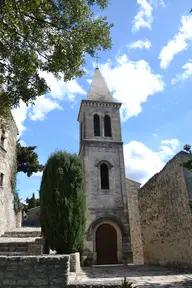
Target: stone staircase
[(18, 241)]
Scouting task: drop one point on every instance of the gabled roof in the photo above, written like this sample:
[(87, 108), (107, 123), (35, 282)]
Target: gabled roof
[(99, 90)]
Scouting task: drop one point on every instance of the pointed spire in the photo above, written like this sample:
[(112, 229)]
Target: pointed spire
[(99, 90)]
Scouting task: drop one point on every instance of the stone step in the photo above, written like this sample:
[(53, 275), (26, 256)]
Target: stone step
[(21, 234), (13, 248), (14, 234), (7, 253)]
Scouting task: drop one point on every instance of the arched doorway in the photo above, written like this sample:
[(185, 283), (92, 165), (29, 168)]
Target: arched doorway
[(106, 244)]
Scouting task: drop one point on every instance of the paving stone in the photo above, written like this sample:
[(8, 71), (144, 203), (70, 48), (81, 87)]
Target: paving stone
[(143, 276)]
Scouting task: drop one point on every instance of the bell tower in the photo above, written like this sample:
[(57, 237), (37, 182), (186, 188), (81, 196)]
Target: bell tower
[(107, 239)]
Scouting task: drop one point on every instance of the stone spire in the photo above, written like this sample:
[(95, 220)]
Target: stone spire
[(99, 90)]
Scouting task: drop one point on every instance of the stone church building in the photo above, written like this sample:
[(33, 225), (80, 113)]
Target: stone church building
[(107, 239), (125, 223)]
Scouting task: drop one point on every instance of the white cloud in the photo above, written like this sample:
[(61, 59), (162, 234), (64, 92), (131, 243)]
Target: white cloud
[(60, 90), (37, 174), (140, 44), (43, 106), (174, 143), (180, 42), (144, 17), (131, 82), (20, 114), (185, 75), (154, 134), (22, 142), (141, 163)]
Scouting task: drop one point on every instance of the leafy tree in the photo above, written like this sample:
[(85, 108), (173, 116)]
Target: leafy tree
[(50, 36), (62, 203), (27, 160)]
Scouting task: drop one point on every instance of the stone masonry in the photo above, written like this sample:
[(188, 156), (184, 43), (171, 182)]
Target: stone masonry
[(166, 217), (103, 205), (34, 271), (7, 161), (134, 220)]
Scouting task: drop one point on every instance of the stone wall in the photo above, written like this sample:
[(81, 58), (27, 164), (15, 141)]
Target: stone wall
[(7, 161), (134, 221), (75, 262), (166, 218), (30, 272), (33, 217)]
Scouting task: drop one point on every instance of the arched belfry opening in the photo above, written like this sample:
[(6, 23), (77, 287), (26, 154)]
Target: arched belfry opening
[(96, 124), (107, 126)]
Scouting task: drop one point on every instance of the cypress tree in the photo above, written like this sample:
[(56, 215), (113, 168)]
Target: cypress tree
[(62, 203)]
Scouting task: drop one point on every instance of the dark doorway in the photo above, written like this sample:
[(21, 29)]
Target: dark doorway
[(106, 244)]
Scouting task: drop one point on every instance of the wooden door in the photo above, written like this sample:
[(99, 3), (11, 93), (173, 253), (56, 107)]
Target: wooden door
[(106, 244)]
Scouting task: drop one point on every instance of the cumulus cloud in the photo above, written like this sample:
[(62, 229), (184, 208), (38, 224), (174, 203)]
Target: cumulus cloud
[(37, 174), (141, 163), (43, 105), (174, 143), (187, 73), (180, 42), (62, 90), (140, 44), (20, 114), (144, 17), (59, 91), (131, 82)]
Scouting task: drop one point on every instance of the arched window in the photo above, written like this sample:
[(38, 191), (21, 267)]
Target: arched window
[(104, 173), (107, 126), (96, 122)]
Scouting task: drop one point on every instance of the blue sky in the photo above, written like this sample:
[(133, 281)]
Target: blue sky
[(148, 70)]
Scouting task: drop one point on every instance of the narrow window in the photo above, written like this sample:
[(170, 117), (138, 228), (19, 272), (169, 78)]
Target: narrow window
[(1, 179), (2, 141), (96, 121), (104, 176), (107, 126)]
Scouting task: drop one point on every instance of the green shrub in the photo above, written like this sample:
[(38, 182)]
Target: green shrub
[(62, 203)]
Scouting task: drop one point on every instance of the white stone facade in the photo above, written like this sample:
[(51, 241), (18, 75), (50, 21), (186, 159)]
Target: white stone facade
[(109, 205), (8, 138)]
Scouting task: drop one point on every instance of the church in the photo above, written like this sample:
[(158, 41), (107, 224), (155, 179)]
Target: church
[(107, 239), (124, 223)]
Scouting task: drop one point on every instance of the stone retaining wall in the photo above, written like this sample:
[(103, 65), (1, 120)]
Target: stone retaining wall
[(166, 217), (75, 262), (31, 272), (32, 217)]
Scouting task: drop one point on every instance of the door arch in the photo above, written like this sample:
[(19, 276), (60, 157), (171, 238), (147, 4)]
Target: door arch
[(106, 244)]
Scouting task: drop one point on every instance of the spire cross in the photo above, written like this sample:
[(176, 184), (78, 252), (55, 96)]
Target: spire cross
[(97, 60)]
